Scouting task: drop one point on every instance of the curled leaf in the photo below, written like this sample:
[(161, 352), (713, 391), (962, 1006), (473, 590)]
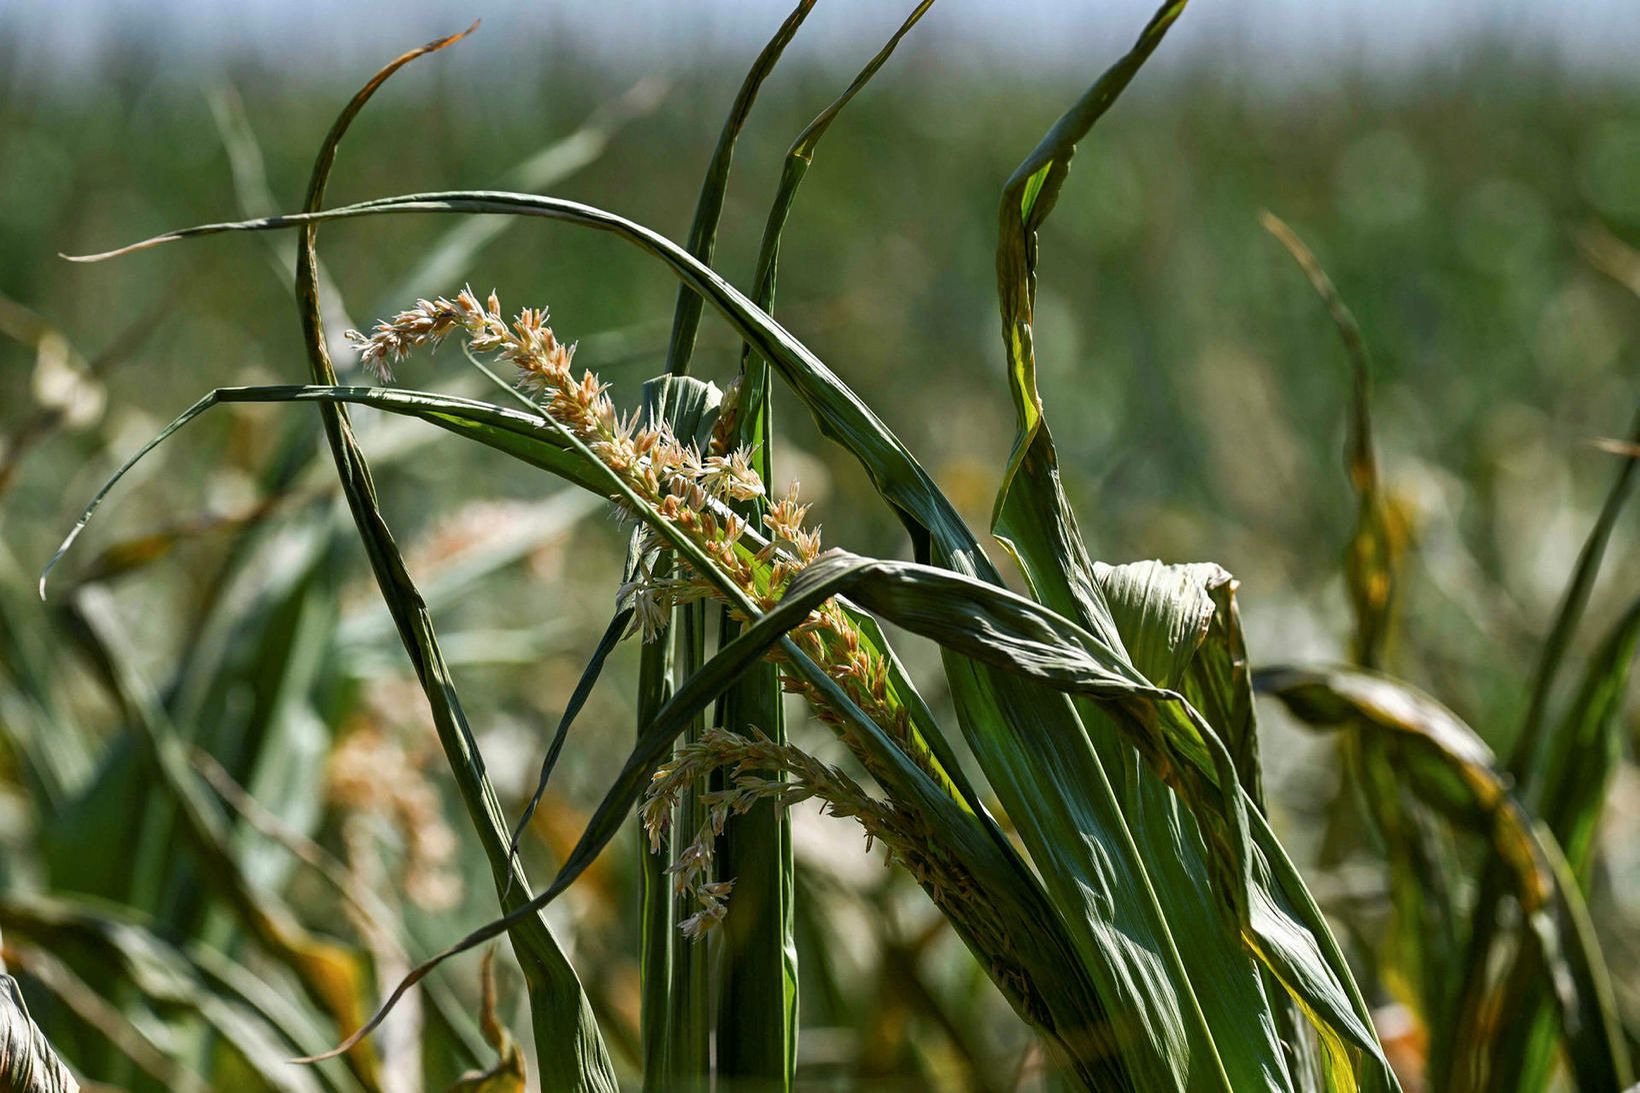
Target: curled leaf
[(28, 1064)]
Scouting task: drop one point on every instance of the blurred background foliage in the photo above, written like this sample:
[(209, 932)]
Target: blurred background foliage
[(1472, 209)]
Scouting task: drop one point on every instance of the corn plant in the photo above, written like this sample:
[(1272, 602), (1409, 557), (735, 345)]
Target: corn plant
[(1093, 827), (1485, 968), (164, 936)]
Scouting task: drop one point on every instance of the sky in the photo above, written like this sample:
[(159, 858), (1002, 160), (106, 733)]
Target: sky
[(1281, 38)]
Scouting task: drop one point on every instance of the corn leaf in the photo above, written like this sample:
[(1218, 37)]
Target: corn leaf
[(1530, 758), (570, 1048), (840, 414), (709, 205), (260, 1023), (1422, 948), (1448, 766), (333, 976), (1588, 745), (1033, 519), (759, 927), (799, 158), (1373, 559), (27, 1062), (1584, 754), (997, 731), (1527, 756)]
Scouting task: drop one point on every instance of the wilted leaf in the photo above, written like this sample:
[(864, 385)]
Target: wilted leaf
[(1451, 769), (27, 1062)]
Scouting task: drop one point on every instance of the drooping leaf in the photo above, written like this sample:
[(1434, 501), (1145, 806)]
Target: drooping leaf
[(840, 414), (1373, 560), (1449, 767), (506, 1074), (570, 1047), (333, 976), (258, 1022), (1034, 521), (1421, 949), (1529, 760), (1583, 758)]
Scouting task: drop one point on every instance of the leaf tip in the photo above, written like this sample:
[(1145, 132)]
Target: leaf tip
[(450, 40), (117, 252)]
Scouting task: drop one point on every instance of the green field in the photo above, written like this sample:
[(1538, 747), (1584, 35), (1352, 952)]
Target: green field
[(1478, 218)]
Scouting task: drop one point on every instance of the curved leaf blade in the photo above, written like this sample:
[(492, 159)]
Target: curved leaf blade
[(1448, 766)]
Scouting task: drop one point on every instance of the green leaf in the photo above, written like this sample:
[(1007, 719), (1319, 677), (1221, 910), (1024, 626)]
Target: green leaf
[(756, 698), (1020, 637), (333, 976), (838, 411), (1165, 615), (1034, 521), (1586, 748), (678, 1026), (1421, 947), (1041, 514), (1525, 761), (757, 427), (570, 1048), (1529, 759), (709, 206), (253, 1017), (1007, 736), (1447, 765), (1583, 756)]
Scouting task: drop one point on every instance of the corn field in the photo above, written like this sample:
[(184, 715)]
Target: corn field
[(257, 881)]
